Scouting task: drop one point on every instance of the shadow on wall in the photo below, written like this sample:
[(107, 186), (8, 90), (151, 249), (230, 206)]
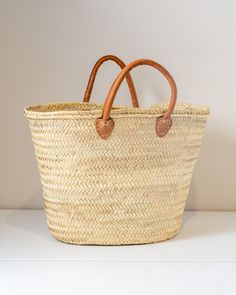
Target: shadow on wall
[(34, 198), (213, 185)]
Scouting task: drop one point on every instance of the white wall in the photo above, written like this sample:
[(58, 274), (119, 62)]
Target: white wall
[(48, 47)]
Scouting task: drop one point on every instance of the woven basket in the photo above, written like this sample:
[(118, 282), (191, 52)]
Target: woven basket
[(115, 176)]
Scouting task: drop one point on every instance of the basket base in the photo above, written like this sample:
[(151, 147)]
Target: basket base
[(158, 239), (133, 225)]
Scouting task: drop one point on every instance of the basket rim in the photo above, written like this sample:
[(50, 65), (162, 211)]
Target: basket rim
[(88, 110)]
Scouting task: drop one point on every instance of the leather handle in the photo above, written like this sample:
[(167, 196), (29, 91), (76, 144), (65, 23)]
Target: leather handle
[(93, 74), (105, 124)]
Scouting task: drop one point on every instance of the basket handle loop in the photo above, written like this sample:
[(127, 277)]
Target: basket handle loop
[(93, 74), (105, 124)]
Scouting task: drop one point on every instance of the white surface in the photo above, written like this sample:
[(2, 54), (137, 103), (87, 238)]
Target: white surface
[(205, 236), (46, 54), (200, 260), (114, 278)]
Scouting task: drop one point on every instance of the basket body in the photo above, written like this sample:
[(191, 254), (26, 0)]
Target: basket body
[(128, 189)]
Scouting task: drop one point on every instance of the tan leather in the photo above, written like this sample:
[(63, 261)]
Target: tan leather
[(93, 74), (104, 127), (163, 123)]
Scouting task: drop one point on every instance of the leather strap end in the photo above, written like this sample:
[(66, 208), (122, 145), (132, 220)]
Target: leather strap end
[(163, 126), (104, 127)]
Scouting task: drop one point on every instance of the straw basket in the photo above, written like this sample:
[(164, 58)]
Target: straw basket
[(116, 176)]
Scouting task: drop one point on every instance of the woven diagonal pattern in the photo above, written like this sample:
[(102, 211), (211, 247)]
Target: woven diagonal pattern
[(128, 189)]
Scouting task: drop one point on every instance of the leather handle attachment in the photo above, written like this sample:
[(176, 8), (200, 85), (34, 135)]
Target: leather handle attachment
[(93, 74), (105, 124)]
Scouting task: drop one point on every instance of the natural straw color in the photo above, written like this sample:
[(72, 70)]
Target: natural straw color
[(128, 189)]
